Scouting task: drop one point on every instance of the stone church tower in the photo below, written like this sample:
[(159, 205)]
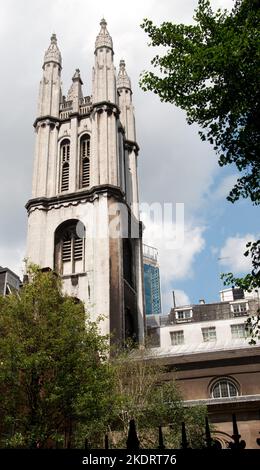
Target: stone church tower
[(83, 218)]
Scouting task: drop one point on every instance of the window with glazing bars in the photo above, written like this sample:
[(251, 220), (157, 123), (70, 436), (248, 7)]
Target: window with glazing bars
[(240, 308), (209, 334), (238, 331), (224, 389), (177, 337)]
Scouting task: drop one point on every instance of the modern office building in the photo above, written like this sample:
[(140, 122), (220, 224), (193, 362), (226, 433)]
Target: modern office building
[(152, 288)]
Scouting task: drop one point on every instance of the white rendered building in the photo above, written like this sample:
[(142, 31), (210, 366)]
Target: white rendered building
[(199, 328), (83, 218)]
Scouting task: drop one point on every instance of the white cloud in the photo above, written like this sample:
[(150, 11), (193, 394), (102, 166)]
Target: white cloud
[(232, 253), (177, 264), (174, 164), (225, 186), (214, 251), (175, 258), (228, 4), (13, 259), (181, 298), (176, 255), (177, 245)]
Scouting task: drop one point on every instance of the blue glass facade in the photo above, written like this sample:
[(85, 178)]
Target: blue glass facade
[(152, 290)]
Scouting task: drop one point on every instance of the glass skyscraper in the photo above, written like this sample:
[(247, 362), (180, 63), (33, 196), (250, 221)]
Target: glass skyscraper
[(152, 287)]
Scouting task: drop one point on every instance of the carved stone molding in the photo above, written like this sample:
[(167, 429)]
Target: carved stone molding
[(131, 146), (46, 121), (107, 107), (74, 199)]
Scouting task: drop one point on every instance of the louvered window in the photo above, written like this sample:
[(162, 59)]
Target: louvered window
[(65, 168), (69, 247), (85, 172), (85, 161), (65, 151), (78, 249), (66, 251), (65, 177), (85, 146)]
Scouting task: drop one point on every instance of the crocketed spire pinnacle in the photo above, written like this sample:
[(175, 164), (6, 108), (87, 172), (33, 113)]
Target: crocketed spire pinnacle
[(53, 53), (123, 81), (104, 39), (76, 77), (75, 89)]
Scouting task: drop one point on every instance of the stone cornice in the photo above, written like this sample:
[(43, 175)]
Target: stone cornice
[(102, 106), (47, 120), (229, 401), (79, 197), (52, 61), (107, 106), (131, 145), (218, 358), (120, 88), (104, 46), (79, 115)]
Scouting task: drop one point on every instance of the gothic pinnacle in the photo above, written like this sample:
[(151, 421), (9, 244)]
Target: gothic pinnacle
[(53, 53), (103, 38), (77, 77), (53, 38), (123, 81)]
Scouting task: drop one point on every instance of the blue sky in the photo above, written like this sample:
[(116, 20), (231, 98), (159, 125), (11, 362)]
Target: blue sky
[(174, 165), (224, 220)]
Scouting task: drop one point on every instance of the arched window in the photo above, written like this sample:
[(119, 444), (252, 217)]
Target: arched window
[(69, 247), (85, 161), (64, 162), (224, 388)]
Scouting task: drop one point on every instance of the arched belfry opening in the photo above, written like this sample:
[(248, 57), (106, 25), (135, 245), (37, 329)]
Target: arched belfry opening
[(69, 247)]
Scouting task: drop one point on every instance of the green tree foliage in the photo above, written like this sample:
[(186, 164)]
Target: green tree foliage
[(212, 71), (249, 283), (58, 386), (145, 396), (54, 373)]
